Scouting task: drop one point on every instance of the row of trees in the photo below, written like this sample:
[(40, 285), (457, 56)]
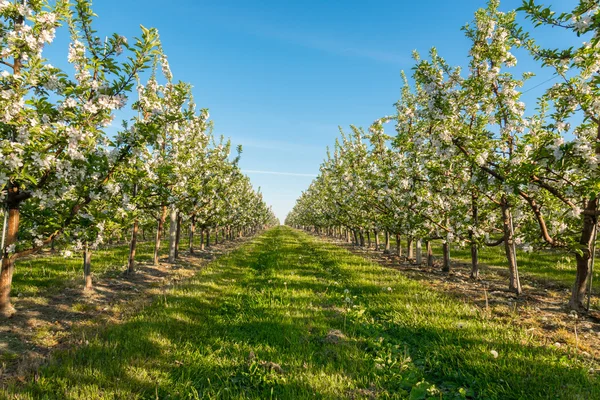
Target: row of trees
[(469, 163), (65, 180)]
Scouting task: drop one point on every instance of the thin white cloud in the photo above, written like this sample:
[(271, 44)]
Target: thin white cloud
[(253, 171), (319, 42)]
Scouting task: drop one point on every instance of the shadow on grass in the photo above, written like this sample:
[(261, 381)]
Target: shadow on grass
[(259, 324)]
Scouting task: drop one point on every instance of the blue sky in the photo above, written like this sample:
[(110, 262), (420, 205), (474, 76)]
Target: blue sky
[(279, 77)]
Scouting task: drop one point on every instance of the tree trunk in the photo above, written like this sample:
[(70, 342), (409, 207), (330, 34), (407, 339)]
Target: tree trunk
[(583, 260), (474, 261), (178, 235), (429, 254), (376, 240), (386, 250), (172, 234), (216, 235), (514, 283), (208, 237), (132, 247), (192, 231), (202, 239), (398, 245), (356, 241), (362, 239), (409, 248), (419, 254), (474, 248), (588, 235), (368, 239), (159, 231), (446, 250), (87, 267), (8, 263)]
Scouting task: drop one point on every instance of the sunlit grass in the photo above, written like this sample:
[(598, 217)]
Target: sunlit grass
[(288, 317), (49, 273)]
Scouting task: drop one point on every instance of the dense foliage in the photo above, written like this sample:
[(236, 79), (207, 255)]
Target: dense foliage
[(65, 180), (469, 163)]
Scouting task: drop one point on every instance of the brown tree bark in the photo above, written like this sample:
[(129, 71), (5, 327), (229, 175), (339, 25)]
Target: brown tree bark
[(583, 260), (132, 248), (514, 283), (178, 235), (429, 254), (446, 251), (159, 232), (172, 234), (386, 249), (8, 264), (474, 248), (87, 267), (191, 233)]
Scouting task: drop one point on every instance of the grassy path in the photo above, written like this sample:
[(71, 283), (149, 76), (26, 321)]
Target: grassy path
[(289, 317)]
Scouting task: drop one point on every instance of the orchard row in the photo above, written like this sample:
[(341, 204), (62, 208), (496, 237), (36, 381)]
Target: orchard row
[(469, 163), (69, 179)]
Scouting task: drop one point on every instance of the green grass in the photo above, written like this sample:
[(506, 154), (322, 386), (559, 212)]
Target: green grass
[(546, 266), (47, 273), (551, 267), (259, 324)]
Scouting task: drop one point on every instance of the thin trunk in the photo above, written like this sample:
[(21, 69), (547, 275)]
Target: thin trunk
[(202, 239), (356, 241), (398, 245), (409, 248), (376, 240), (87, 267), (446, 250), (178, 235), (387, 242), (362, 239), (514, 283), (8, 264), (132, 247), (208, 237), (368, 239), (192, 231), (133, 242), (429, 254), (474, 248), (583, 260), (419, 254), (172, 234), (159, 231), (216, 236)]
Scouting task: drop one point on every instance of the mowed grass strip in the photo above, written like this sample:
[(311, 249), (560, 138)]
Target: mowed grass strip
[(289, 317)]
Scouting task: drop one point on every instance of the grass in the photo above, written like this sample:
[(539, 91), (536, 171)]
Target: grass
[(552, 267), (290, 317), (47, 273), (546, 266)]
